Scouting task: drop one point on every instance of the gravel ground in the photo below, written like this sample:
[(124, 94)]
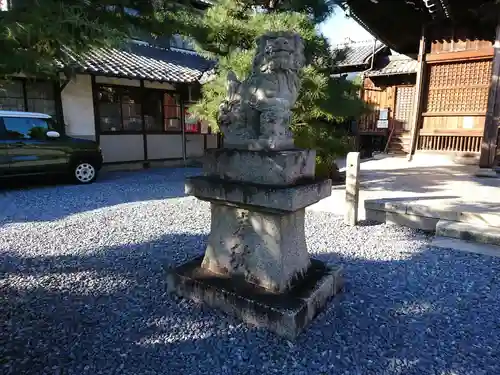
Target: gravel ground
[(82, 286)]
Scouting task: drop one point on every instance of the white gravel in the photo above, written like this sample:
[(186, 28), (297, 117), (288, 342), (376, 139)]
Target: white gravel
[(82, 286)]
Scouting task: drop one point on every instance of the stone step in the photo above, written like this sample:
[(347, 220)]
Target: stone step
[(397, 147), (397, 152), (472, 232), (466, 246), (485, 217), (401, 218), (401, 139)]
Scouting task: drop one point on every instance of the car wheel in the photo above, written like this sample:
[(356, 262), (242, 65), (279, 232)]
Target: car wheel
[(84, 172)]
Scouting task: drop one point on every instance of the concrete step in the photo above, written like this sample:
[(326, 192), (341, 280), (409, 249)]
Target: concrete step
[(401, 139), (466, 246), (425, 216), (398, 147), (399, 144), (471, 232), (397, 152), (465, 214)]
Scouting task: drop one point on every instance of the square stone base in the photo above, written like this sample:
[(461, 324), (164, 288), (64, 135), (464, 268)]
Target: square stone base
[(282, 198), (277, 168), (286, 314)]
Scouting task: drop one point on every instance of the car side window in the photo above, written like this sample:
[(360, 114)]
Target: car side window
[(3, 133), (26, 127)]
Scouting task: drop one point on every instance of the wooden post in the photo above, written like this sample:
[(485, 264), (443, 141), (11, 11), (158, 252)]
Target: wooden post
[(419, 92), (489, 144), (352, 188), (357, 136)]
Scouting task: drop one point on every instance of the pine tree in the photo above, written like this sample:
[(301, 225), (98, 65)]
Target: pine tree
[(227, 32), (36, 33)]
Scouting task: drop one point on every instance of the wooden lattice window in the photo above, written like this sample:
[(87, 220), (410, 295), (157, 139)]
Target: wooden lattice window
[(404, 106), (459, 87)]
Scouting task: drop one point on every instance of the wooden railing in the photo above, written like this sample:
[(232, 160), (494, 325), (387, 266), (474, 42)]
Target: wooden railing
[(388, 143), (449, 142), (368, 124)]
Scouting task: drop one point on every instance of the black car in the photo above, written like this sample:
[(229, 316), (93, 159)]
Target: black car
[(30, 146)]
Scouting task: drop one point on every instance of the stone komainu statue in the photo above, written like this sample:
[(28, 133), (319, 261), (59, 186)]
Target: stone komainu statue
[(256, 114)]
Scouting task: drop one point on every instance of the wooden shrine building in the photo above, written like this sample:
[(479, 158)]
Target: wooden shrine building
[(388, 86), (456, 104)]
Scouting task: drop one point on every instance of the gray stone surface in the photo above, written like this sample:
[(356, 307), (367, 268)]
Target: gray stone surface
[(290, 198), (467, 246), (265, 249), (260, 167), (407, 220), (257, 111), (476, 214), (486, 172), (352, 188), (469, 232), (286, 314)]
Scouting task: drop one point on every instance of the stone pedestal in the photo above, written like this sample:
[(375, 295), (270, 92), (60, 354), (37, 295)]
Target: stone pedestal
[(265, 249), (256, 265)]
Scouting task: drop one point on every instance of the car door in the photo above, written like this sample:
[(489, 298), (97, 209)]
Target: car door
[(4, 153), (30, 150)]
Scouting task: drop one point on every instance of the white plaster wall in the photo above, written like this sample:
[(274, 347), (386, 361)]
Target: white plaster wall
[(212, 141), (122, 147), (164, 146), (195, 145), (118, 81), (78, 107)]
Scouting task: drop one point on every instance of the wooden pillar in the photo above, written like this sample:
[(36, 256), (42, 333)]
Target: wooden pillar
[(143, 120), (97, 115), (489, 144), (419, 96), (357, 136)]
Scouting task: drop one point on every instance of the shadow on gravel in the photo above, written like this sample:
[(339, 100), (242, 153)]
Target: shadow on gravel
[(47, 199), (435, 311)]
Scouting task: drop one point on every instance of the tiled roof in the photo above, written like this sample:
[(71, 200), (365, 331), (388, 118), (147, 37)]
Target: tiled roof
[(354, 54), (396, 66), (142, 61)]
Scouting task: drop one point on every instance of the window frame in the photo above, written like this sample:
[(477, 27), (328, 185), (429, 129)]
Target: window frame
[(179, 106), (97, 104), (142, 91), (27, 97), (22, 99), (58, 115)]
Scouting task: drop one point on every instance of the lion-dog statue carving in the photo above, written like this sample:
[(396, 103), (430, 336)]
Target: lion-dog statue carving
[(256, 114)]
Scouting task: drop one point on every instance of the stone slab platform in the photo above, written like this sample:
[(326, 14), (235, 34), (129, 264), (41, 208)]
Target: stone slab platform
[(466, 246), (282, 198), (469, 232), (260, 167), (286, 314), (425, 214)]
